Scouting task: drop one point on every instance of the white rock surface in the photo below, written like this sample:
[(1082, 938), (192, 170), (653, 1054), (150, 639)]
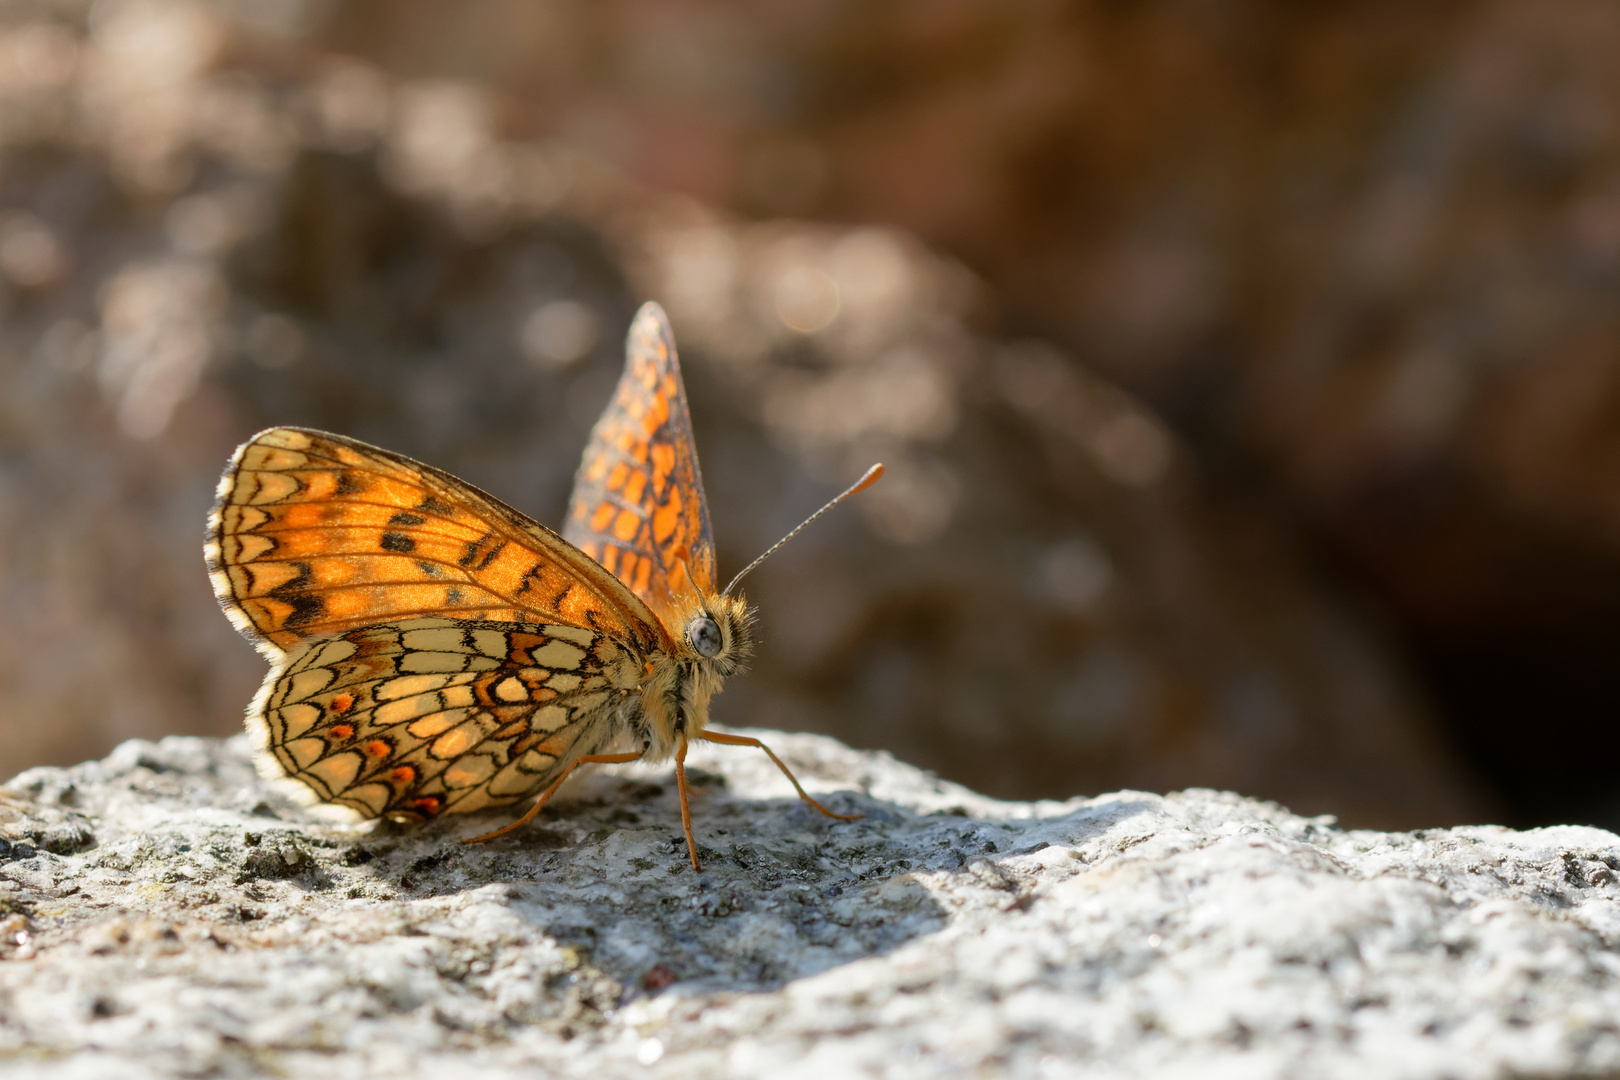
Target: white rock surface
[(164, 913)]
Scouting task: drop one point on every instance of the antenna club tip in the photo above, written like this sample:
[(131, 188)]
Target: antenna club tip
[(873, 475)]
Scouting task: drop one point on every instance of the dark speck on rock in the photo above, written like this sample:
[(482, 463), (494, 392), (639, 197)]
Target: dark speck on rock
[(358, 856), (273, 862), (15, 850), (658, 977), (431, 861)]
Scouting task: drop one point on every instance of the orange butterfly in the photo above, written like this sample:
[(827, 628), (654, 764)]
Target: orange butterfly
[(433, 650)]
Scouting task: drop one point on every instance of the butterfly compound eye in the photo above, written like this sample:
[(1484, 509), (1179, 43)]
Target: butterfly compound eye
[(704, 634)]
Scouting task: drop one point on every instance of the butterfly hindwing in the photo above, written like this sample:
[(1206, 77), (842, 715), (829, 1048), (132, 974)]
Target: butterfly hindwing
[(434, 715), (314, 534), (638, 506)]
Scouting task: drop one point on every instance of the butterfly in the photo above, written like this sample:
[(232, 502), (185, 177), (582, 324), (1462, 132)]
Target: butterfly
[(433, 650)]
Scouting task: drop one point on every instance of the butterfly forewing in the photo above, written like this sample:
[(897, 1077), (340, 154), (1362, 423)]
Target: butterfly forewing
[(638, 505), (315, 534), (433, 715)]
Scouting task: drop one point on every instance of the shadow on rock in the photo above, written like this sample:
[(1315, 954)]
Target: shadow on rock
[(784, 892)]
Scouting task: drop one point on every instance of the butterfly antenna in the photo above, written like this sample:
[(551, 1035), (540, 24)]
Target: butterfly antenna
[(862, 484)]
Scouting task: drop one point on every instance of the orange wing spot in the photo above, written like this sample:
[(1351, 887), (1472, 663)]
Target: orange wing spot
[(657, 415), (597, 468), (347, 455), (664, 521), (341, 732), (319, 485), (419, 597), (610, 556), (663, 461), (269, 576), (616, 478), (645, 372), (503, 575), (402, 775), (602, 517), (524, 644), (379, 748), (427, 804), (394, 491), (643, 571), (302, 515), (556, 746), (275, 612), (634, 487), (627, 567), (639, 452), (626, 525)]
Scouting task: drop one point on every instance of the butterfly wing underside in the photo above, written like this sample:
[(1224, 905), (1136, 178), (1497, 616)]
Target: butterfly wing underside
[(432, 715), (315, 534), (638, 506), (432, 649)]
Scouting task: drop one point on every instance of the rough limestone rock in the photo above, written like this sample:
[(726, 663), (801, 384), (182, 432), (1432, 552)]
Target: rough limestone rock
[(167, 913)]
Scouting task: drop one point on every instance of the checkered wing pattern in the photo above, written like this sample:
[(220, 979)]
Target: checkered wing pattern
[(315, 534), (432, 649), (638, 505), (433, 715)]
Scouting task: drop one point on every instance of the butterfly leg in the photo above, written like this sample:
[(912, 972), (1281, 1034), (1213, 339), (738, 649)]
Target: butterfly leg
[(604, 759), (744, 740), (686, 809)]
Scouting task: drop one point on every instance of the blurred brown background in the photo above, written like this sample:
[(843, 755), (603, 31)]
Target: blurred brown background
[(1248, 373)]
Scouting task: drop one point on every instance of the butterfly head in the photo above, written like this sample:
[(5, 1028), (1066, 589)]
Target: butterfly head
[(713, 638)]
